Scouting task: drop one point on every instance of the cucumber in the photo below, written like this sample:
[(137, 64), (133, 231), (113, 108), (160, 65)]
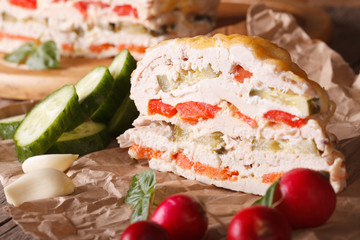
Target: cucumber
[(86, 138), (92, 90), (46, 121), (124, 116), (121, 69), (306, 106), (9, 125), (303, 146)]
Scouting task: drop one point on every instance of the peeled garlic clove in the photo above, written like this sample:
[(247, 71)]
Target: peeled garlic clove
[(38, 184), (60, 162)]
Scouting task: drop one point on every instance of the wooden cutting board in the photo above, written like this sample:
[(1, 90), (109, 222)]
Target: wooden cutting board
[(21, 84)]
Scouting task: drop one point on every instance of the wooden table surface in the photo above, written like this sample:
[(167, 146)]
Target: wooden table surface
[(345, 16)]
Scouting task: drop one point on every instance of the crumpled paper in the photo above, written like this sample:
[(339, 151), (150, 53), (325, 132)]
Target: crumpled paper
[(96, 210), (321, 63)]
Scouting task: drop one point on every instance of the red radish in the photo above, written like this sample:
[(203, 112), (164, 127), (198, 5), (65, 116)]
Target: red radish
[(260, 223), (306, 198), (182, 216), (145, 230)]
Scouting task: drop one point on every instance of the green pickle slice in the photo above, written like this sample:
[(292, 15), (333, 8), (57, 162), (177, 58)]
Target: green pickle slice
[(307, 106)]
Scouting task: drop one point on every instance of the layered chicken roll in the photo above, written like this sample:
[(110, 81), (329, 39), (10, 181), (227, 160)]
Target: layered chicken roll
[(101, 28), (232, 111)]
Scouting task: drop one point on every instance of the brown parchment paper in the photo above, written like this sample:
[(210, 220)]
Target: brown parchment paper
[(96, 210)]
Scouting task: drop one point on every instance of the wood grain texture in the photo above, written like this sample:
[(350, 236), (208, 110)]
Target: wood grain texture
[(20, 83), (9, 230)]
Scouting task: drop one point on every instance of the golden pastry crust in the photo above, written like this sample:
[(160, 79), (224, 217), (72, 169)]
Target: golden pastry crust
[(262, 49)]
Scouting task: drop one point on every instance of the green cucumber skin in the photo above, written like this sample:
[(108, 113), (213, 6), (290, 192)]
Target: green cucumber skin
[(8, 130), (84, 145), (93, 101), (53, 132), (120, 88), (123, 117), (9, 125)]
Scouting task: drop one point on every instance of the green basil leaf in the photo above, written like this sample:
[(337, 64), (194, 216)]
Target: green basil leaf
[(20, 54), (46, 56), (140, 193), (142, 209), (268, 198)]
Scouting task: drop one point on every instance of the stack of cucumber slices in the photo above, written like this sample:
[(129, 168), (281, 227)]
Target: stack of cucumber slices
[(79, 118)]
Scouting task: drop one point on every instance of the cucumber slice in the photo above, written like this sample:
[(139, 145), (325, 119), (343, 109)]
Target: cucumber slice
[(213, 141), (306, 106), (124, 116), (180, 135), (44, 124), (9, 125), (121, 69), (86, 138), (92, 90), (188, 77), (305, 146)]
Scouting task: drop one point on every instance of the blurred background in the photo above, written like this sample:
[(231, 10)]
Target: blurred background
[(344, 16)]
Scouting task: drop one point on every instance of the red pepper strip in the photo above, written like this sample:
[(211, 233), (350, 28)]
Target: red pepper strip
[(214, 173), (126, 10), (240, 74), (146, 152), (17, 37), (101, 47), (271, 177), (188, 111), (286, 118), (247, 119), (183, 161), (68, 47), (31, 4), (132, 48), (156, 106), (193, 111), (82, 6)]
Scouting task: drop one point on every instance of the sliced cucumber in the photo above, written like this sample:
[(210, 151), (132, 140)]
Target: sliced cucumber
[(86, 138), (214, 140), (46, 121), (304, 146), (307, 106), (180, 135), (9, 125), (92, 91), (188, 77), (121, 69), (122, 65), (124, 116)]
